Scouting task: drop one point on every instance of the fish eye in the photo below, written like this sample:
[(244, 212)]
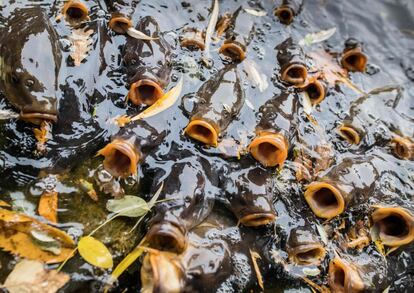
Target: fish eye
[(29, 83), (14, 79)]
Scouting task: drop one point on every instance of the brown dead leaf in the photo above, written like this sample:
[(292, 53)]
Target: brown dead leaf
[(328, 66), (48, 205), (254, 255), (16, 237), (123, 120), (29, 276), (81, 44)]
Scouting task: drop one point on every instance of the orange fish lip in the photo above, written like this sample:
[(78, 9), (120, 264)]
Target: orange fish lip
[(295, 74), (358, 60), (233, 50), (403, 147), (270, 149), (202, 131), (324, 199), (81, 8), (349, 133), (120, 24), (117, 153), (343, 277), (306, 248), (285, 14), (38, 117), (316, 91), (389, 220), (136, 97), (167, 236), (257, 219)]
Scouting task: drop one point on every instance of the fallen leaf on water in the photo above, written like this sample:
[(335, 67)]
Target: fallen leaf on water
[(123, 120), (48, 205), (127, 262), (81, 45), (132, 32), (46, 242), (4, 204), (16, 236), (327, 65), (317, 37), (129, 206), (95, 252), (209, 33), (254, 255), (255, 12), (307, 104), (165, 102), (87, 187), (256, 78), (29, 276)]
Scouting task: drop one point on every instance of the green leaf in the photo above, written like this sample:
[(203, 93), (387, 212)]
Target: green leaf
[(128, 206), (95, 252), (45, 242)]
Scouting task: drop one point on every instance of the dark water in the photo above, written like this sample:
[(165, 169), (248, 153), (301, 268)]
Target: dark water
[(91, 94)]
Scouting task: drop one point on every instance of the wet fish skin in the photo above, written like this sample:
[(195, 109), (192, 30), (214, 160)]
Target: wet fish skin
[(147, 60), (220, 100), (121, 13), (286, 10), (291, 60), (247, 194), (31, 60), (190, 189), (238, 35)]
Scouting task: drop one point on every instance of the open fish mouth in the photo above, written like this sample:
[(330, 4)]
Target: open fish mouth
[(285, 14), (258, 219), (145, 91), (295, 74), (233, 50), (395, 225), (202, 131), (324, 199), (270, 149), (167, 236), (161, 272), (308, 254), (37, 117), (343, 277), (121, 158)]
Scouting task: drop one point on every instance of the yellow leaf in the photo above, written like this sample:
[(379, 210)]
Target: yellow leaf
[(126, 262), (95, 252), (4, 204), (161, 104), (48, 205), (16, 237), (254, 255), (123, 120)]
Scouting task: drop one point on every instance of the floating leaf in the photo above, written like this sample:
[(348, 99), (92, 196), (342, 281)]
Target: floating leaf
[(307, 104), (123, 120), (328, 66), (46, 242), (81, 45), (255, 12), (128, 206), (87, 187), (249, 104), (95, 252), (165, 102), (322, 233), (48, 205), (16, 236), (254, 255), (311, 271), (29, 276), (256, 78), (4, 204), (8, 114), (132, 32), (317, 37), (209, 32), (126, 262)]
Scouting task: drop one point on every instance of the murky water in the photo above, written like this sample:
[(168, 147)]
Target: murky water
[(91, 94)]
